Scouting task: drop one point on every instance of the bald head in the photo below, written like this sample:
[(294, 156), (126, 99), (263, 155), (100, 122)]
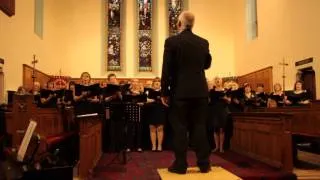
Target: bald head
[(185, 20)]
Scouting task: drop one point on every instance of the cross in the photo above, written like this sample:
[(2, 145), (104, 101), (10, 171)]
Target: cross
[(34, 62), (283, 64), (60, 73)]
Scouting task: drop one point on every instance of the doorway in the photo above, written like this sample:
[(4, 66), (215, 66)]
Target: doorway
[(308, 76)]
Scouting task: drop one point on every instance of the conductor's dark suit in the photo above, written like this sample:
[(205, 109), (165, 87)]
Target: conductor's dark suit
[(185, 58)]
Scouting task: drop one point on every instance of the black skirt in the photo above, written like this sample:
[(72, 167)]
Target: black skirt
[(218, 114), (155, 113)]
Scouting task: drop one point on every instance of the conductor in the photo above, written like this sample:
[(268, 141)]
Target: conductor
[(184, 90)]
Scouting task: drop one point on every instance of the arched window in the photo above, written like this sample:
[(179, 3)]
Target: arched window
[(38, 18), (252, 19)]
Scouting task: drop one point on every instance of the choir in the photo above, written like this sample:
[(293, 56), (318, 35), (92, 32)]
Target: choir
[(127, 108)]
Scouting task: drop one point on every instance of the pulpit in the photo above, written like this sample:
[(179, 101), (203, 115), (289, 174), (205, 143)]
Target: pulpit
[(90, 127)]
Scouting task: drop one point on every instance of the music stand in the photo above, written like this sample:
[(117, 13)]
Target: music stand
[(122, 155)]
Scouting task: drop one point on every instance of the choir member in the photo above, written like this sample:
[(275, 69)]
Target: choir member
[(219, 108), (36, 88), (103, 84), (236, 94), (20, 91), (148, 84), (299, 96), (112, 91), (134, 98), (48, 97), (276, 98), (86, 99), (261, 96), (35, 91), (85, 94), (112, 79), (114, 127), (249, 98), (69, 95), (210, 84), (156, 115)]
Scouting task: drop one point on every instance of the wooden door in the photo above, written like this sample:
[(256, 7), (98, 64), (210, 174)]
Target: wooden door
[(309, 79)]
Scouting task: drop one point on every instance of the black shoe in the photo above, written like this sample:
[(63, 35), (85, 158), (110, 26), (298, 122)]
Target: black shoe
[(205, 169), (177, 170)]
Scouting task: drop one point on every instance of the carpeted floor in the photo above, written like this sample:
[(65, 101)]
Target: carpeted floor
[(143, 166)]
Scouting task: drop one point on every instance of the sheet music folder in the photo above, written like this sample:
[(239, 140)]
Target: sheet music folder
[(87, 115), (26, 140)]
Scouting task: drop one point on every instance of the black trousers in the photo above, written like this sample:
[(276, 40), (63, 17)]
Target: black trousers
[(189, 115)]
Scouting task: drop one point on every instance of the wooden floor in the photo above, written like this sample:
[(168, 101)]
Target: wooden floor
[(311, 169), (194, 173)]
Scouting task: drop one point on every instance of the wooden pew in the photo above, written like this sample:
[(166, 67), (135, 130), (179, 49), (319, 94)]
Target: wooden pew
[(51, 123), (263, 136), (300, 121), (305, 120)]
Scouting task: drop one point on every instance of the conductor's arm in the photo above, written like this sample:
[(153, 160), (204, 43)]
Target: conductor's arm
[(166, 72), (208, 57)]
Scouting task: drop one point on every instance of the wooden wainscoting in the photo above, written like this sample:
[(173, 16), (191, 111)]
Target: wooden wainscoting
[(49, 120), (41, 77), (99, 80), (262, 76)]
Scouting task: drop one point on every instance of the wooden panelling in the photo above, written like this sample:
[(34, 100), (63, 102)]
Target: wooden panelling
[(50, 120), (99, 80), (43, 78), (8, 7), (27, 73), (262, 136), (263, 76)]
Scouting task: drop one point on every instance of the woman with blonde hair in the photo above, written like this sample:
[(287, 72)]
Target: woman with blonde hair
[(133, 115), (276, 98), (218, 105), (156, 115)]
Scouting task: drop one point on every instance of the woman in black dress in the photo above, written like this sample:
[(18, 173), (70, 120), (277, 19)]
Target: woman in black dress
[(35, 91), (134, 99), (48, 99), (156, 115), (86, 99), (249, 99), (276, 98), (69, 95), (299, 96), (262, 97), (219, 108)]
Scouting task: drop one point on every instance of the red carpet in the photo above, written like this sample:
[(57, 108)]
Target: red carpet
[(144, 166)]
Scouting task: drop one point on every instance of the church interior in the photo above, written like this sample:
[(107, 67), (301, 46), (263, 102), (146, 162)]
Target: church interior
[(80, 84)]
